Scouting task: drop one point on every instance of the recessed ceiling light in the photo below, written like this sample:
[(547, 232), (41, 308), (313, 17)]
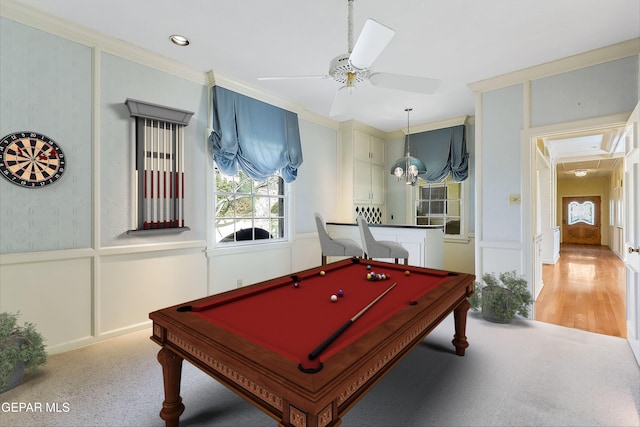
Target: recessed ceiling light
[(179, 40), (581, 172)]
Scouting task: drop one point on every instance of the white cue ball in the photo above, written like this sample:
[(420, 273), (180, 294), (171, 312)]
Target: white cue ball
[(334, 298)]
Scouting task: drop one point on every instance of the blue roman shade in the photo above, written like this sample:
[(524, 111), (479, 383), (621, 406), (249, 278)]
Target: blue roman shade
[(443, 151), (256, 137)]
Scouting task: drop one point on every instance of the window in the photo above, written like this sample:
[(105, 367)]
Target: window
[(582, 212), (248, 210), (440, 204)]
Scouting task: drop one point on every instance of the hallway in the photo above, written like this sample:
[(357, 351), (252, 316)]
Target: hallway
[(585, 289)]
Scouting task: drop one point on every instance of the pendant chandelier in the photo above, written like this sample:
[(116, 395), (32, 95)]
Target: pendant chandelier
[(408, 168)]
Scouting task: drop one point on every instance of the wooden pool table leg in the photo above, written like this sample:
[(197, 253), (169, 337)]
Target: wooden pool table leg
[(460, 316), (172, 406)]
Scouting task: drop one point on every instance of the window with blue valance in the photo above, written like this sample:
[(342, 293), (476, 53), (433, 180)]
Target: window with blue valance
[(256, 137), (443, 151)]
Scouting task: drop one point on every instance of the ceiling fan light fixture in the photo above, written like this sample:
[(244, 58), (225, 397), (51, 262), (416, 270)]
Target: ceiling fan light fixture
[(179, 40), (408, 168), (580, 172)]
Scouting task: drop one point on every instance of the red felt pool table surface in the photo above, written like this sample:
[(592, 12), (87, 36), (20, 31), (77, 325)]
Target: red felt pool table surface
[(256, 340), (294, 321)]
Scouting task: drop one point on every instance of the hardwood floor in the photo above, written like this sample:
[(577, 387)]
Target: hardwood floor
[(585, 289)]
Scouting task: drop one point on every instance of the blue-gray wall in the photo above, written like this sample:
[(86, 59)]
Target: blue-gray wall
[(595, 91), (46, 87)]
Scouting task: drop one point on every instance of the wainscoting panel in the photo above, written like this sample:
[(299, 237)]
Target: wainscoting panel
[(132, 285), (53, 294)]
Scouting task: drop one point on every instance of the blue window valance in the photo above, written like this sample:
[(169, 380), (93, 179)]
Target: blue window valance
[(256, 137), (443, 151)]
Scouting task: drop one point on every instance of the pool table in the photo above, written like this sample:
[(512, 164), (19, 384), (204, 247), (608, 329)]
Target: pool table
[(300, 355)]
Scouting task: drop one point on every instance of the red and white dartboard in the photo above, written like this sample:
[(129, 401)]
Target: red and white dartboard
[(31, 159)]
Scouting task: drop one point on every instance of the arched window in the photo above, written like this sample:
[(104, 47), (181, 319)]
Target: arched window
[(582, 212)]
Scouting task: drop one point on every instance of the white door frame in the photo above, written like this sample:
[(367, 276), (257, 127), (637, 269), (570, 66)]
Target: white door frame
[(529, 137), (631, 185)]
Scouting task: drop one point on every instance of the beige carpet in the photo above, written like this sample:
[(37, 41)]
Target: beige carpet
[(524, 374)]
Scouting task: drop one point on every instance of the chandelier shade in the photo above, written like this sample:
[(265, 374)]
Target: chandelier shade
[(408, 168)]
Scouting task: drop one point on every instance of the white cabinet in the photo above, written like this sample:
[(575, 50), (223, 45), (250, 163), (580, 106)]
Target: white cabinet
[(362, 171), (550, 247), (368, 168)]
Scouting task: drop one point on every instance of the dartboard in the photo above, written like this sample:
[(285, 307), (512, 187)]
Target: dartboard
[(31, 159)]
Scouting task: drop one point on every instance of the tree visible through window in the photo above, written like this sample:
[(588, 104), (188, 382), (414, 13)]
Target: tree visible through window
[(248, 210)]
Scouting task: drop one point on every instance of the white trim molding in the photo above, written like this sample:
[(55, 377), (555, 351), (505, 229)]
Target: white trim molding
[(575, 62)]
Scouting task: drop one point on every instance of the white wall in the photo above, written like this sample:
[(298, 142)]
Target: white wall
[(66, 260), (595, 84)]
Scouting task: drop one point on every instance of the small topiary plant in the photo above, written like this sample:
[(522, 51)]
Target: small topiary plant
[(18, 344), (501, 297)]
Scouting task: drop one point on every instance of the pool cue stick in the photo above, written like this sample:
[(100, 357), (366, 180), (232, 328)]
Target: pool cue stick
[(164, 177), (170, 184), (156, 215), (147, 202), (182, 173), (315, 353)]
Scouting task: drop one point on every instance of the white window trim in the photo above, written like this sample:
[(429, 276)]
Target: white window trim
[(285, 240), (464, 236)]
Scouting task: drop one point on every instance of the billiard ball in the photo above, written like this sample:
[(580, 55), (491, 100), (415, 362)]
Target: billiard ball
[(322, 273), (368, 266), (340, 293), (334, 298), (296, 284), (407, 272)]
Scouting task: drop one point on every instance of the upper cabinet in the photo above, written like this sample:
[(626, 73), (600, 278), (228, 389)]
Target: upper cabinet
[(362, 174), (368, 168)]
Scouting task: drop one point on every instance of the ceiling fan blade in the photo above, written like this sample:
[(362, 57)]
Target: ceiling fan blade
[(407, 83), (295, 77), (371, 42), (343, 101)]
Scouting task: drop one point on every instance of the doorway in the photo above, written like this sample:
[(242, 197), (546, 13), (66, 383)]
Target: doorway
[(582, 282)]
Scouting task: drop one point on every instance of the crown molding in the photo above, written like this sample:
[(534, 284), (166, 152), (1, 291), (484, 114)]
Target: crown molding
[(97, 41), (34, 18), (442, 124), (570, 63)]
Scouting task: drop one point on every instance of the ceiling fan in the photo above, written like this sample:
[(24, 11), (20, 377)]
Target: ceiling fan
[(355, 66)]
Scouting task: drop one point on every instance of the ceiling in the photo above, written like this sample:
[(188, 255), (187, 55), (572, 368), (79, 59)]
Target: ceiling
[(595, 152), (457, 41)]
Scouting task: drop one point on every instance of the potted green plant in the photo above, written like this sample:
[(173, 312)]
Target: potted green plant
[(21, 348), (501, 297)]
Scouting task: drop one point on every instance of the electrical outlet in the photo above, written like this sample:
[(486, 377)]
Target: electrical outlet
[(239, 283), (514, 199)]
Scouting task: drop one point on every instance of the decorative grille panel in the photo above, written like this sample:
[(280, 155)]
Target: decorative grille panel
[(372, 214)]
